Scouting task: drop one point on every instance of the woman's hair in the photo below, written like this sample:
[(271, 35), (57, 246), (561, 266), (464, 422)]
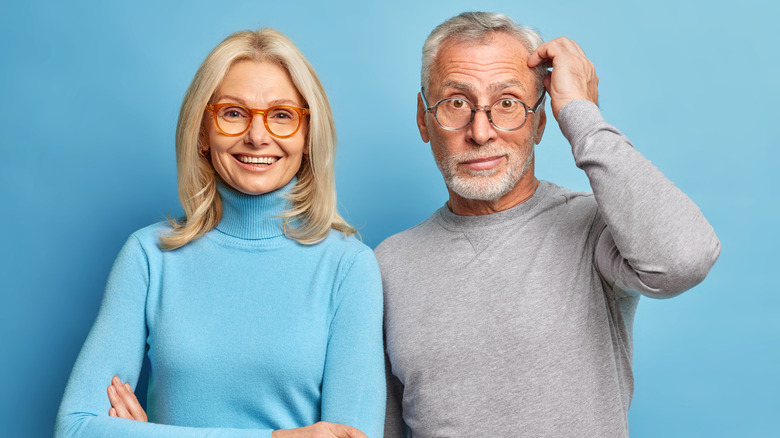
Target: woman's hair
[(312, 212), (478, 27)]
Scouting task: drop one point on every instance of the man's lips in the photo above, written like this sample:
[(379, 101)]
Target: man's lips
[(486, 163)]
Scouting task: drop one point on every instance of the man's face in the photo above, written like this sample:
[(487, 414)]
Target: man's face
[(481, 162)]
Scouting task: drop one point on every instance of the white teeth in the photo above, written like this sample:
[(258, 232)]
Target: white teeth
[(257, 160)]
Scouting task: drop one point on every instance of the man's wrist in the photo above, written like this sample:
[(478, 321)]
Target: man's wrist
[(577, 117)]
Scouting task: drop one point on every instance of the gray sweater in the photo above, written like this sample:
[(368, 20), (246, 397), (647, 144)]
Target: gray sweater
[(519, 323)]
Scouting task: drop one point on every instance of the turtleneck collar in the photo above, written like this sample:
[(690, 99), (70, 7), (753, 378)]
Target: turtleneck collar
[(454, 221), (253, 217)]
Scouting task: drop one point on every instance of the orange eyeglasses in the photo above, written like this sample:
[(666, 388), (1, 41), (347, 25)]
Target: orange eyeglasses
[(233, 119)]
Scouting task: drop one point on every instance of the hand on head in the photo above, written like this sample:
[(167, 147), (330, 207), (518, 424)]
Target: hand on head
[(573, 76)]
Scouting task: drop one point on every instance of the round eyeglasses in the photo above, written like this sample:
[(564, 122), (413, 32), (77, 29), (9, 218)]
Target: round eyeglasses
[(506, 114), (233, 119)]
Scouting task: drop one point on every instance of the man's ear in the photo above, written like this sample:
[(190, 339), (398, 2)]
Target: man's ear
[(422, 122), (542, 117)]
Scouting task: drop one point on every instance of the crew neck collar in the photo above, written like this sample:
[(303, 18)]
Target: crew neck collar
[(454, 221)]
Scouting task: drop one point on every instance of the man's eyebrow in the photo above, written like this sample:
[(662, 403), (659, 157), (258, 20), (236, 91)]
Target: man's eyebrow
[(458, 86), (504, 85), (494, 88)]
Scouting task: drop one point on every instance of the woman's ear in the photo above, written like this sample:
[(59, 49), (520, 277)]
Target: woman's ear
[(203, 141)]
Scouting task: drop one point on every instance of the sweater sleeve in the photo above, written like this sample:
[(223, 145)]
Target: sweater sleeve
[(353, 387), (653, 240), (115, 347), (394, 421)]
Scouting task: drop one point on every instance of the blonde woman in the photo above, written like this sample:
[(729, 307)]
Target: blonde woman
[(259, 312)]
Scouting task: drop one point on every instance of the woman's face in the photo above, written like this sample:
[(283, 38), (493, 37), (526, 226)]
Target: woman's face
[(256, 162)]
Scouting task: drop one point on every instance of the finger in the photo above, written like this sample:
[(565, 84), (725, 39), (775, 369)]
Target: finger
[(344, 431), (569, 45), (123, 402), (576, 47), (129, 401), (546, 51), (538, 55), (112, 412), (117, 403), (133, 405), (551, 49)]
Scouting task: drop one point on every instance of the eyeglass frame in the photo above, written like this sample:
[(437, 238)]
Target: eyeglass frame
[(214, 108), (486, 108)]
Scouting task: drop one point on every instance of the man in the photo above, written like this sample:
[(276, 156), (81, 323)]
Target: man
[(509, 311)]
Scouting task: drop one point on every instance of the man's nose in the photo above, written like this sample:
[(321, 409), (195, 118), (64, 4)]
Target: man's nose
[(481, 131)]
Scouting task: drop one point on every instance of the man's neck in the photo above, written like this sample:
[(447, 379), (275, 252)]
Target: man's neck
[(522, 192)]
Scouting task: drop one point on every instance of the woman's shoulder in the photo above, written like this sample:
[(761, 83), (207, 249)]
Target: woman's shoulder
[(348, 249), (149, 236), (346, 243)]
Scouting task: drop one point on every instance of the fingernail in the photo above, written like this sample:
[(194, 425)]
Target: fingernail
[(127, 385), (113, 391), (115, 380)]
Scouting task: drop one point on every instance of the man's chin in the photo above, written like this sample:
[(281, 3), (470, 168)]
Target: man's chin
[(480, 188)]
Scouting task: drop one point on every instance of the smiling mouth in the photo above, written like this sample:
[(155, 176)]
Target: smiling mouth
[(246, 159)]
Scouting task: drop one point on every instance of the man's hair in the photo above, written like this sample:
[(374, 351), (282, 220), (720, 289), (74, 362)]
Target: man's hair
[(313, 199), (478, 28)]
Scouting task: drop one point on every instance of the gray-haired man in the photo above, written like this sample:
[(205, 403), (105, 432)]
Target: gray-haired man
[(509, 311)]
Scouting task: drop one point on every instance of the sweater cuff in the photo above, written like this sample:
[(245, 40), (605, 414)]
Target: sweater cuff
[(577, 118)]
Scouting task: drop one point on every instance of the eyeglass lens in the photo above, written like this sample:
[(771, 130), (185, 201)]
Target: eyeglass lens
[(456, 113), (280, 121)]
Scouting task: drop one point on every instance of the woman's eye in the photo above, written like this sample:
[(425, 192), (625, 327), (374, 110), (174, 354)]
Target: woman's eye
[(280, 114), (233, 112)]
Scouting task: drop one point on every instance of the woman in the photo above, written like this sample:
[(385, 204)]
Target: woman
[(258, 312)]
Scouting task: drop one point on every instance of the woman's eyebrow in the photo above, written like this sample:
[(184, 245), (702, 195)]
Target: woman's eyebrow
[(275, 102)]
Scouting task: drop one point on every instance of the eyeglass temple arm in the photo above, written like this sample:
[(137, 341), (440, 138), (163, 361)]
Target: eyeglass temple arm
[(425, 100), (539, 102)]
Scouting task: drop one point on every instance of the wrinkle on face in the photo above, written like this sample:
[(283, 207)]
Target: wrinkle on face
[(482, 74)]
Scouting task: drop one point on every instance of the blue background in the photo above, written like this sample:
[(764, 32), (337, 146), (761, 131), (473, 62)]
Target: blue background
[(90, 97)]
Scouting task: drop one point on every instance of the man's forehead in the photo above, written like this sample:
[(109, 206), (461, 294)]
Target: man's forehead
[(498, 62)]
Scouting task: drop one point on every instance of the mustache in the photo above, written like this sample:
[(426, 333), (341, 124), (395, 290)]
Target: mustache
[(488, 150)]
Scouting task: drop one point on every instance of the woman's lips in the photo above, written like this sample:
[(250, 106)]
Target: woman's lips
[(255, 163)]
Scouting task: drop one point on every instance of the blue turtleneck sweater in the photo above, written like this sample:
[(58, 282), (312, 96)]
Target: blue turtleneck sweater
[(246, 330)]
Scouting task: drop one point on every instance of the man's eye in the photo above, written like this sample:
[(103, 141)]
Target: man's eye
[(457, 103), (507, 103)]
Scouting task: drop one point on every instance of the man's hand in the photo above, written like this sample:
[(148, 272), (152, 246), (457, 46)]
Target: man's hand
[(573, 75), (321, 429), (124, 404)]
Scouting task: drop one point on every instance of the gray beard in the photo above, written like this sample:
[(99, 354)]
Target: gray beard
[(484, 185)]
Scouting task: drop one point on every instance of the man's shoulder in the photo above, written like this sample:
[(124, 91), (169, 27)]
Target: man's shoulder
[(406, 241), (556, 193)]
